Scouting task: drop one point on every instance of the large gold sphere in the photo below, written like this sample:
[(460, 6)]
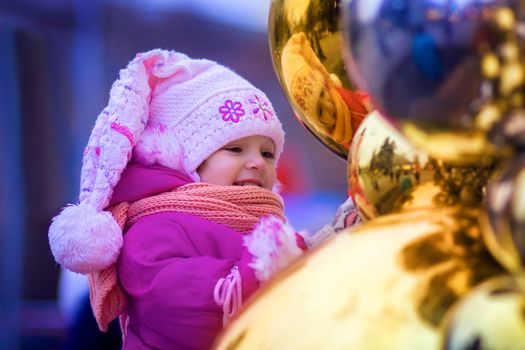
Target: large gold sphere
[(387, 174), (448, 72), (492, 316), (305, 44), (385, 285), (504, 216)]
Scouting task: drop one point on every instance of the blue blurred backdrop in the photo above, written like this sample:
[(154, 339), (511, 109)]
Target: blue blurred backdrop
[(58, 59)]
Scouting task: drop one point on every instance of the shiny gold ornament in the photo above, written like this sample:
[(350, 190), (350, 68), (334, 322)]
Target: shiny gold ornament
[(448, 72), (385, 285), (511, 131), (504, 216), (305, 44), (492, 316), (387, 174)]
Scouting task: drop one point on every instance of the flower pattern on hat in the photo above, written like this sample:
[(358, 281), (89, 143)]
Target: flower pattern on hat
[(231, 111), (261, 108)]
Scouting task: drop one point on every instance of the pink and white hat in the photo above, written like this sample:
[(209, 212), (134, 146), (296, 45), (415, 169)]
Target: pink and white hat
[(165, 108)]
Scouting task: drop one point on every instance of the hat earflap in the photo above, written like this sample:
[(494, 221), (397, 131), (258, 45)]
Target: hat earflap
[(83, 237)]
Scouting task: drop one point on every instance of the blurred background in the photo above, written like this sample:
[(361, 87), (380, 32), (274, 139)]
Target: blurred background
[(58, 59)]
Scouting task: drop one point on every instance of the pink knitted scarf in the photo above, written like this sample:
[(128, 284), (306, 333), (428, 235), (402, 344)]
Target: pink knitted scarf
[(239, 208)]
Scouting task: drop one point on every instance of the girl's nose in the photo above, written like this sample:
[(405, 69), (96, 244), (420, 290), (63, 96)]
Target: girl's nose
[(255, 161)]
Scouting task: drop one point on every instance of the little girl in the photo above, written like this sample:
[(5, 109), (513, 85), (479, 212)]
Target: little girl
[(177, 223)]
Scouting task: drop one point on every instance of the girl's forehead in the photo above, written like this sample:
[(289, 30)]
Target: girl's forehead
[(257, 139)]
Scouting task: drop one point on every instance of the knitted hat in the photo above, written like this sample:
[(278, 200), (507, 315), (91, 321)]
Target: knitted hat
[(165, 108)]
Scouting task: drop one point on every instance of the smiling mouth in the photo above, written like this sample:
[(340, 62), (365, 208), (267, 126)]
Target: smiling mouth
[(248, 183)]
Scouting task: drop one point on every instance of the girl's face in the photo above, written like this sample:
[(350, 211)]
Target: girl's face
[(246, 161)]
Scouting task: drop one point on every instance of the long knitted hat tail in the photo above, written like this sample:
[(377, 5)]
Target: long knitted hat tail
[(84, 238)]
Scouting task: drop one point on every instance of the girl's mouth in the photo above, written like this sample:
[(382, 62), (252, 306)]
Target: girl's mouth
[(248, 183)]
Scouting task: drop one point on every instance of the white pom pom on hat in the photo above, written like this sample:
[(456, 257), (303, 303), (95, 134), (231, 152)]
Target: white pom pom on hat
[(165, 108), (85, 240)]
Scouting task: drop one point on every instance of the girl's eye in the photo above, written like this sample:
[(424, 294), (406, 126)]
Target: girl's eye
[(234, 149), (267, 154)]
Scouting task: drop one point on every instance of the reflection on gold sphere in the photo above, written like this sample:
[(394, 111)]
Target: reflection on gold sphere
[(305, 44), (504, 218), (492, 316), (449, 73), (386, 174), (385, 285)]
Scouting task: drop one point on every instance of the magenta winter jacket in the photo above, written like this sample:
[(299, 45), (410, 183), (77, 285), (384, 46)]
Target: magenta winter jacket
[(169, 265)]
